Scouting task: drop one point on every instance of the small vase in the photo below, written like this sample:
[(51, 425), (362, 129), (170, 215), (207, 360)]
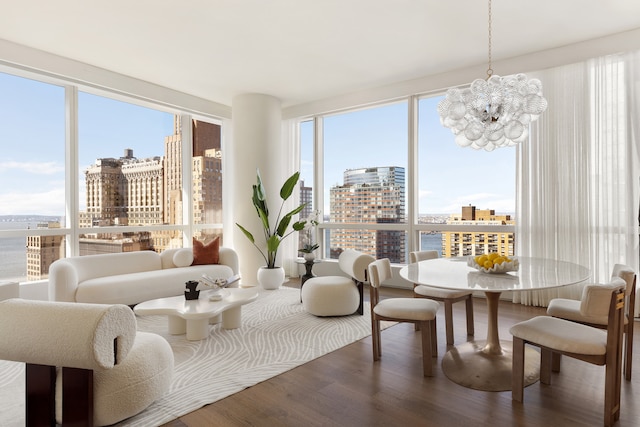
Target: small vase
[(270, 278), (309, 256)]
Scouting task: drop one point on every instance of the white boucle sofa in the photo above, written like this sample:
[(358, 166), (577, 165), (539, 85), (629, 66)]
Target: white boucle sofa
[(132, 277)]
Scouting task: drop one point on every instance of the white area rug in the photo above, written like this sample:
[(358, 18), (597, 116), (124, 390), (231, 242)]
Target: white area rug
[(276, 336)]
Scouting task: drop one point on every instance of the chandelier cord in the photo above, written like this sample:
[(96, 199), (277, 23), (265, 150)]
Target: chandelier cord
[(489, 70)]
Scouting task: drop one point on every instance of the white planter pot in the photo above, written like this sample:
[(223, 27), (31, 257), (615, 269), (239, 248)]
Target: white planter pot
[(270, 278), (309, 256)]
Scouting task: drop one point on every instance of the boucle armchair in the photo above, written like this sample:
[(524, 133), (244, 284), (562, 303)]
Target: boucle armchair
[(338, 295), (85, 363)]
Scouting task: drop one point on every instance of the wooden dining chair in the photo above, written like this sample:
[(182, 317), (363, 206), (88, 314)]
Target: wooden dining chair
[(421, 312), (559, 337), (447, 296), (574, 310)]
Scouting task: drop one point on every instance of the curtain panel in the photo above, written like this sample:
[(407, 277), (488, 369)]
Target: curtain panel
[(578, 175)]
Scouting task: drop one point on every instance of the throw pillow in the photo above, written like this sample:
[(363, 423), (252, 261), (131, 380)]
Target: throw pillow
[(183, 257), (206, 254)]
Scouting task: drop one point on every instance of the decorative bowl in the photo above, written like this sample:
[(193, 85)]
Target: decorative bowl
[(502, 268)]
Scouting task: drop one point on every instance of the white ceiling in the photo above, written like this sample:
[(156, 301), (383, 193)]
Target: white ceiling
[(301, 50)]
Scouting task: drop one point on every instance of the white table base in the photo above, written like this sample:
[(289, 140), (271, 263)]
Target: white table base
[(487, 365), (198, 329), (468, 365)]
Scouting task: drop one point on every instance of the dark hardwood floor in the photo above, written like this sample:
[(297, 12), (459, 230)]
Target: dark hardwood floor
[(346, 388)]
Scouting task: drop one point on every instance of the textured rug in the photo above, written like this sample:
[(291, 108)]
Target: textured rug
[(276, 336)]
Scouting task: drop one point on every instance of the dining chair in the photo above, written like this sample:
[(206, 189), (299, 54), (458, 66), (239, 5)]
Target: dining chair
[(421, 312), (559, 337), (447, 296), (574, 310)]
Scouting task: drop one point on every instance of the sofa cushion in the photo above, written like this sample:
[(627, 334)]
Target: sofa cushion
[(206, 254), (183, 257), (90, 266), (135, 288)]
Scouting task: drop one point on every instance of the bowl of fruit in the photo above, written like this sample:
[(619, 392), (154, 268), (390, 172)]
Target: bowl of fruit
[(493, 263)]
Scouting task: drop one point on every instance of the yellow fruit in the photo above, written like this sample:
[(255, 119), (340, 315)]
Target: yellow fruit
[(480, 260), (487, 264), (493, 256), (499, 260)]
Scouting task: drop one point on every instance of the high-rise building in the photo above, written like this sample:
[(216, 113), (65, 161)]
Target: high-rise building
[(124, 191), (42, 251), (473, 242), (374, 195), (306, 196), (131, 191)]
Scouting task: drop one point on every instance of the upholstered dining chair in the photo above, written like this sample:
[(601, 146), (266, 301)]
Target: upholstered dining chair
[(559, 337), (574, 310), (421, 312), (447, 296)]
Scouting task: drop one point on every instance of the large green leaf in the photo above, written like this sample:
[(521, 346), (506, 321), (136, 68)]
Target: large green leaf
[(246, 233), (289, 186), (284, 223)]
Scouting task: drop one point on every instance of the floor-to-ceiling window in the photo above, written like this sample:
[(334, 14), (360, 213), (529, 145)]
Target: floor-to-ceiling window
[(32, 176), (392, 184), (365, 167), (85, 173), (130, 175), (465, 197)]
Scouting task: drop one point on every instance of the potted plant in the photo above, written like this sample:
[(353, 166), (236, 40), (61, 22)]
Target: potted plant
[(308, 240), (273, 235)]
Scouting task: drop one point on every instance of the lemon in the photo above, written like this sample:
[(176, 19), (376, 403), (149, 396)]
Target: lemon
[(499, 260), (493, 256), (481, 259), (487, 264)]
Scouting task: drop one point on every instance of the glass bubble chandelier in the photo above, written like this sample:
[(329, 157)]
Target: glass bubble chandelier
[(494, 112)]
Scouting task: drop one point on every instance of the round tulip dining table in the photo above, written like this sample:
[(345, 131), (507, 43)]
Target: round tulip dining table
[(486, 365)]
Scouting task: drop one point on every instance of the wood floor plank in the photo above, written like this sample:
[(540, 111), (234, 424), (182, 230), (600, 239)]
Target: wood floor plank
[(346, 388)]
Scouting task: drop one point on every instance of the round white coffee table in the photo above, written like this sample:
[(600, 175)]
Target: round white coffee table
[(194, 316)]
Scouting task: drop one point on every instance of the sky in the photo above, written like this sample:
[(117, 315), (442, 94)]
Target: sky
[(32, 142)]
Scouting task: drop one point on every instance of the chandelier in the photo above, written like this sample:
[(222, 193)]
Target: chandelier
[(494, 112)]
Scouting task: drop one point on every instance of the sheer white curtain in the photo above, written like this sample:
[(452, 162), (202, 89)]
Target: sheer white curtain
[(578, 173)]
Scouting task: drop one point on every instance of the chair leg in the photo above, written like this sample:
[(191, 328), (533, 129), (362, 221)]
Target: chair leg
[(375, 338), (40, 395), (556, 359), (628, 351), (434, 338), (469, 305), (517, 370), (611, 394), (546, 365), (448, 320), (427, 344), (77, 397)]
